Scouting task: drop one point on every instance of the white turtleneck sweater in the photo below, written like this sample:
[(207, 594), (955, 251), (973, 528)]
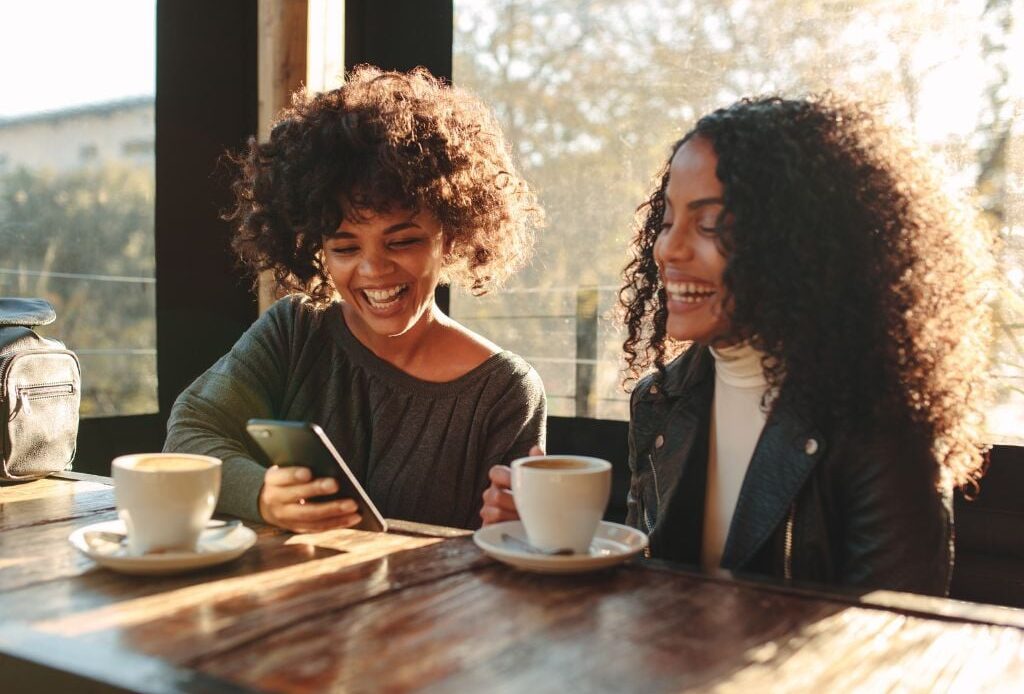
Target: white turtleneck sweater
[(736, 423)]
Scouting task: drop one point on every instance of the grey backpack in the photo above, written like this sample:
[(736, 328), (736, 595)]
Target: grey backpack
[(40, 391)]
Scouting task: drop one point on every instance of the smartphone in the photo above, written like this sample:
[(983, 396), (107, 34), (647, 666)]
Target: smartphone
[(304, 443)]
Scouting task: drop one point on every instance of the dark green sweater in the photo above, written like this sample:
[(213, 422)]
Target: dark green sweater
[(421, 450)]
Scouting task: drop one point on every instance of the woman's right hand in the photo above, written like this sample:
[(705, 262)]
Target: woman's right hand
[(499, 505), (283, 502)]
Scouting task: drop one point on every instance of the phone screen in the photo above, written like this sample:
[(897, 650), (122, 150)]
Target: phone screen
[(304, 443)]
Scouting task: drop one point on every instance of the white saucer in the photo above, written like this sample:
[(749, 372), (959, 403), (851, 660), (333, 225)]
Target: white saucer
[(612, 544), (213, 550)]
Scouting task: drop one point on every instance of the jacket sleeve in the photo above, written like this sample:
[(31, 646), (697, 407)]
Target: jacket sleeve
[(209, 416), (897, 525)]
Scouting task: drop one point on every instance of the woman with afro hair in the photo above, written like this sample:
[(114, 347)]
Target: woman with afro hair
[(363, 200), (827, 300)]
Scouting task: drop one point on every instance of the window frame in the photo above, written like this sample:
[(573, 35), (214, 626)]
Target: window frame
[(206, 103)]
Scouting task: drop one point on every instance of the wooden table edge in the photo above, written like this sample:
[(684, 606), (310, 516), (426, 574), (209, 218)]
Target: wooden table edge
[(82, 477), (34, 662)]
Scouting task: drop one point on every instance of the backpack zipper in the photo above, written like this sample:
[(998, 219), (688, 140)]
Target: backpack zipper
[(7, 364), (27, 394)]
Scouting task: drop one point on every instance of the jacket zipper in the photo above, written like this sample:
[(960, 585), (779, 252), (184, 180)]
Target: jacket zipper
[(787, 559), (647, 522), (657, 495), (27, 394), (654, 472)]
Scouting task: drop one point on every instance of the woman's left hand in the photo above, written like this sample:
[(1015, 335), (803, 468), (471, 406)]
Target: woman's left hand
[(499, 504)]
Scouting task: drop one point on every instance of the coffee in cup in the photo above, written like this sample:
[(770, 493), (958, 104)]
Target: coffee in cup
[(561, 499), (165, 499)]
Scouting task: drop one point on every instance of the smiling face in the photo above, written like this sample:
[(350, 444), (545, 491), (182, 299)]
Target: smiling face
[(686, 251), (386, 268)]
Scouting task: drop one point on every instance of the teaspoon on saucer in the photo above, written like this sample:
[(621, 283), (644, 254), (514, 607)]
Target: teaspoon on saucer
[(525, 546), (214, 531)]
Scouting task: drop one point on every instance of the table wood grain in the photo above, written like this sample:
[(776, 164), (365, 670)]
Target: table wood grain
[(421, 608)]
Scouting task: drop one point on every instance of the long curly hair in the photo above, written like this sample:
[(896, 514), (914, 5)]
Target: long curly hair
[(383, 141), (860, 281)]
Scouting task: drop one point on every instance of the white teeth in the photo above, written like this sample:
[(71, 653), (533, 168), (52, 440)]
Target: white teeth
[(380, 297), (688, 292)]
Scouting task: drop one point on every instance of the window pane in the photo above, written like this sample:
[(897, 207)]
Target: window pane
[(77, 185), (593, 93)]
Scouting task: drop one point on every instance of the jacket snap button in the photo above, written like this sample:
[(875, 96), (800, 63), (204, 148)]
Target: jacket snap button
[(659, 442), (811, 447)]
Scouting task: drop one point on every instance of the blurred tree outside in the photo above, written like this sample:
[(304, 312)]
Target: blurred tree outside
[(83, 240), (77, 170), (999, 185), (592, 93)]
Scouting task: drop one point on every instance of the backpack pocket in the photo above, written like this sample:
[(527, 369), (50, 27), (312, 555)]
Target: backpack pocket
[(40, 394)]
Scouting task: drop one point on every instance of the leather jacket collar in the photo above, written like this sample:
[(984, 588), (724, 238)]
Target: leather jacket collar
[(671, 415)]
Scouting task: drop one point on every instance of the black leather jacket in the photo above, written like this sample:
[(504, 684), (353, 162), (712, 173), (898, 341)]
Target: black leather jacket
[(833, 508)]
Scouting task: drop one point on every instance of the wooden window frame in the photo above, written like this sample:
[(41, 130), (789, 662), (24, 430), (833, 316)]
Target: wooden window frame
[(206, 102)]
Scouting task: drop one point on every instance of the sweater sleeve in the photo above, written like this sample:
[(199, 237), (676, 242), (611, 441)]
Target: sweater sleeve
[(515, 423), (209, 416), (518, 421)]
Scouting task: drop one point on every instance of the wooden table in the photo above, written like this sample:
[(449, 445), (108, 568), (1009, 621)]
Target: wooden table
[(422, 608)]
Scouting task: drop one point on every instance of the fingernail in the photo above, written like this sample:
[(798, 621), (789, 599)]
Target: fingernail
[(347, 506), (302, 474), (328, 485)]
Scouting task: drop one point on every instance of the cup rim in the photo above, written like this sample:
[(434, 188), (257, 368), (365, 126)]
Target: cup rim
[(130, 460), (597, 464)]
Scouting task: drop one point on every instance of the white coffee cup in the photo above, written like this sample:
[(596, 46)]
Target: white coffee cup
[(165, 499), (561, 499)]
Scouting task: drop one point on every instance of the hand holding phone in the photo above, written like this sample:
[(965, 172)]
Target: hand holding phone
[(287, 500), (310, 489)]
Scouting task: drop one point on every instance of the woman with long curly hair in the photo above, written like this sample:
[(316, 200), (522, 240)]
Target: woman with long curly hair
[(828, 303), (812, 307), (363, 200)]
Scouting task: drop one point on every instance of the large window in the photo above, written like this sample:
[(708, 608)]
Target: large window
[(592, 93), (77, 185)]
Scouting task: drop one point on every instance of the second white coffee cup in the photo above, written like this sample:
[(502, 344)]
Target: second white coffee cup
[(561, 499), (165, 499)]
